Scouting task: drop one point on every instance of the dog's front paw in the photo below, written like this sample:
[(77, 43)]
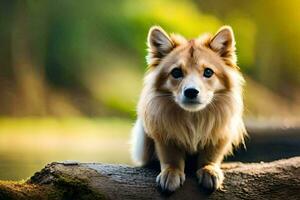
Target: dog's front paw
[(170, 179), (210, 177)]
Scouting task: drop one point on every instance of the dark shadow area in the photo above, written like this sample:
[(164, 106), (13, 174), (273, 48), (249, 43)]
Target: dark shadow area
[(268, 145)]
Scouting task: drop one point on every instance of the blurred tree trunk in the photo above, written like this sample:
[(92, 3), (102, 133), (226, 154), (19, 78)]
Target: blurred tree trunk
[(29, 79)]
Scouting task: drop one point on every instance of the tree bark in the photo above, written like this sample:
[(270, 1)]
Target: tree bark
[(71, 180)]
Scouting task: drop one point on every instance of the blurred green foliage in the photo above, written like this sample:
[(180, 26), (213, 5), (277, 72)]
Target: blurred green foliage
[(77, 57)]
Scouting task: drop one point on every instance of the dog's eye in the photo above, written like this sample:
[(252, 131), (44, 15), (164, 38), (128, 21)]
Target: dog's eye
[(177, 73), (208, 72)]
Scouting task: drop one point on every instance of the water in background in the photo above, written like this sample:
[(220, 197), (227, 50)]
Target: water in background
[(27, 145)]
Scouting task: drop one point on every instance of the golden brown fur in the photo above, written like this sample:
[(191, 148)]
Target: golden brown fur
[(176, 129)]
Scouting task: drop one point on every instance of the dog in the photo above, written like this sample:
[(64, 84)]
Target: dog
[(191, 104)]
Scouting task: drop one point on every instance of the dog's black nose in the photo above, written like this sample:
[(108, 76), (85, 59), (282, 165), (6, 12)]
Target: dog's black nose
[(191, 93)]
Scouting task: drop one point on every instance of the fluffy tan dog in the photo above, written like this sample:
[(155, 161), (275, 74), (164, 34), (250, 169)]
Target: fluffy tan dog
[(191, 104)]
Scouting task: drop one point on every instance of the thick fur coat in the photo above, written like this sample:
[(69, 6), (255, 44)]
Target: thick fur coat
[(191, 104)]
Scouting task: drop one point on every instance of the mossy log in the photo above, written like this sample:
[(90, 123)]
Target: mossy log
[(71, 180)]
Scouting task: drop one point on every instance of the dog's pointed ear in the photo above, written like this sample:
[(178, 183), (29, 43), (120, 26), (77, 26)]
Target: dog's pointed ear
[(224, 43), (159, 45)]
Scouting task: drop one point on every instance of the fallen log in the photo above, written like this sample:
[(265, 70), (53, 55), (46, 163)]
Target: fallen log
[(71, 180)]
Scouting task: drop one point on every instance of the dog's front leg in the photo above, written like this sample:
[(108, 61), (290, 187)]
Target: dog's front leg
[(210, 175), (171, 160)]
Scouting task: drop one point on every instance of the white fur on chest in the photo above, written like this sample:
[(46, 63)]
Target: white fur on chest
[(191, 131)]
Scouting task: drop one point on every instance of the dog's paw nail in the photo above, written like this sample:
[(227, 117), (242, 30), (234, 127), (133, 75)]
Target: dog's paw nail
[(210, 178), (170, 179)]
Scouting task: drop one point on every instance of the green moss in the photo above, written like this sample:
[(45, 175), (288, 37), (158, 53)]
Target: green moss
[(19, 190), (67, 187), (63, 188)]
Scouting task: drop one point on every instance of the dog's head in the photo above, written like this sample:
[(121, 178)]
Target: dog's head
[(192, 71)]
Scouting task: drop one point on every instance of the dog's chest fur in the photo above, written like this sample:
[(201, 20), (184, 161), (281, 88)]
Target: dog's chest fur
[(165, 121)]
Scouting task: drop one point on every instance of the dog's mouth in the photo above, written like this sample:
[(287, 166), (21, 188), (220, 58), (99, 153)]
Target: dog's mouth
[(192, 105), (191, 102)]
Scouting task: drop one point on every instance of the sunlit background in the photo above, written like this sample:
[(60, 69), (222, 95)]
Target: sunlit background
[(71, 71)]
